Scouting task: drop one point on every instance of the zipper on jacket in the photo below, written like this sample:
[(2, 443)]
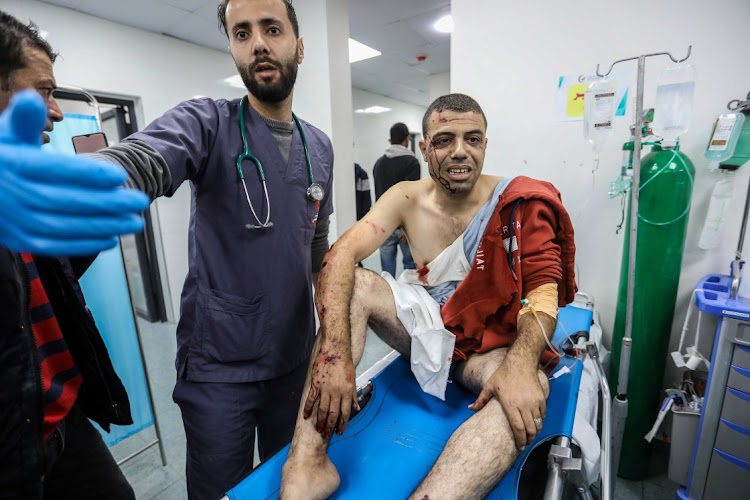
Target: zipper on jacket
[(27, 325)]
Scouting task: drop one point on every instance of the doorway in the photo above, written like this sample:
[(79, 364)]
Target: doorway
[(139, 250)]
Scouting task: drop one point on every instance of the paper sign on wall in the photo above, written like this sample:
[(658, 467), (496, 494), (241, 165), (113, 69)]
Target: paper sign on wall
[(570, 90)]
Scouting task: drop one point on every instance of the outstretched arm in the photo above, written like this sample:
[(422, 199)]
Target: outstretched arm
[(332, 381), (57, 204)]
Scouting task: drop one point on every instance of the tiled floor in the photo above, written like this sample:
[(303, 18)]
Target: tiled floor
[(149, 478), (152, 481), (656, 487)]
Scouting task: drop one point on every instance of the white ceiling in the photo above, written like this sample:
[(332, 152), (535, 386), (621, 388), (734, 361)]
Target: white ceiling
[(400, 29)]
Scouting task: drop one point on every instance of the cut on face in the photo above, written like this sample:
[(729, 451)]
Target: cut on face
[(454, 149)]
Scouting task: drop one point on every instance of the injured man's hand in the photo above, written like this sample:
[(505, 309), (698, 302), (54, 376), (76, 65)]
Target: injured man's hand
[(333, 386), (516, 386)]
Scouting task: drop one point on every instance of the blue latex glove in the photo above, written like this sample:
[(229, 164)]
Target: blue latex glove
[(56, 204)]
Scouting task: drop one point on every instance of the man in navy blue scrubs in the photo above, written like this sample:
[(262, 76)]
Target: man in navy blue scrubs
[(246, 328)]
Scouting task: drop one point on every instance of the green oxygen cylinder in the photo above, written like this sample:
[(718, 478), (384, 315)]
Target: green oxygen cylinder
[(666, 187)]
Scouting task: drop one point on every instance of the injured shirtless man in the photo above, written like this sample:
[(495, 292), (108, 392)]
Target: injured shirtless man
[(481, 243)]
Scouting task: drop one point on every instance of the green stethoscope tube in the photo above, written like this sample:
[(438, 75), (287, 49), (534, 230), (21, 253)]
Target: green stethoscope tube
[(314, 191)]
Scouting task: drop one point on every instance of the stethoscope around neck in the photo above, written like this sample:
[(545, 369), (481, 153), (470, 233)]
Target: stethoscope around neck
[(314, 191)]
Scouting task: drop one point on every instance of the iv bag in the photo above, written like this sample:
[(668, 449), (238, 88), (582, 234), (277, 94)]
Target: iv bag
[(718, 208), (674, 103), (724, 137), (598, 112)]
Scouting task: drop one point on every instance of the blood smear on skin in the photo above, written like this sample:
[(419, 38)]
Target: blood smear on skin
[(423, 274)]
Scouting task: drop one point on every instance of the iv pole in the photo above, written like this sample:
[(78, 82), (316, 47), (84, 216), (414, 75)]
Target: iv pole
[(742, 106), (611, 450)]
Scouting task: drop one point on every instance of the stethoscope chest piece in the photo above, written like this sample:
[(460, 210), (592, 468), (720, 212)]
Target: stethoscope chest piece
[(315, 192)]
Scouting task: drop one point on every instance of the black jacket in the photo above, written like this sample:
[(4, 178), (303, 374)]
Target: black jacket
[(362, 195), (390, 171), (101, 396)]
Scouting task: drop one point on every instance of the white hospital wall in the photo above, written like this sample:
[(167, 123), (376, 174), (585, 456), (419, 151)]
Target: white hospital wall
[(509, 56), (160, 71), (440, 84), (372, 131), (336, 37), (324, 28)]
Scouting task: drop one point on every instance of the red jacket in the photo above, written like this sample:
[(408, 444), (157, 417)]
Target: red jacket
[(482, 312)]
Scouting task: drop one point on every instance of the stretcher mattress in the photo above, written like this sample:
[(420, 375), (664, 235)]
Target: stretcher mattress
[(391, 444)]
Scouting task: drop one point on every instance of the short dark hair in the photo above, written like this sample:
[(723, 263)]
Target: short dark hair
[(14, 35), (289, 12), (460, 103), (399, 133)]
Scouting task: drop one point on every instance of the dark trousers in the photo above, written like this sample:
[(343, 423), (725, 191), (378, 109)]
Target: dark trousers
[(220, 421), (79, 464)]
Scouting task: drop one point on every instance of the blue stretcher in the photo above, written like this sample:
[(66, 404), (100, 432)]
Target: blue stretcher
[(390, 445)]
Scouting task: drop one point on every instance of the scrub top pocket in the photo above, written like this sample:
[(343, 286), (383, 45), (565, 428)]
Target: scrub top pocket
[(233, 327)]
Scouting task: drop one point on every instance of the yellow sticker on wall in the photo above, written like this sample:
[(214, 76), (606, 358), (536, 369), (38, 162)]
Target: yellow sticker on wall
[(574, 106)]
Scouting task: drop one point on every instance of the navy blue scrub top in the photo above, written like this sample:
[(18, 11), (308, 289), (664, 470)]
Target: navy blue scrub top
[(247, 305)]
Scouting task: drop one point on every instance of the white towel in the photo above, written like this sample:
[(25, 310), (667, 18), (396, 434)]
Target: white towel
[(431, 344), (449, 265), (584, 425)]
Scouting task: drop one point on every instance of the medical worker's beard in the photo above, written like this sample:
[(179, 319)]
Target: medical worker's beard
[(275, 91)]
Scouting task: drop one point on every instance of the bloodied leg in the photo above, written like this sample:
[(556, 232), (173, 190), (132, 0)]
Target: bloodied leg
[(308, 472)]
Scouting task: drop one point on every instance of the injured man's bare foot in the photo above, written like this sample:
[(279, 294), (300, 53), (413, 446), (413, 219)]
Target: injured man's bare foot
[(313, 479)]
